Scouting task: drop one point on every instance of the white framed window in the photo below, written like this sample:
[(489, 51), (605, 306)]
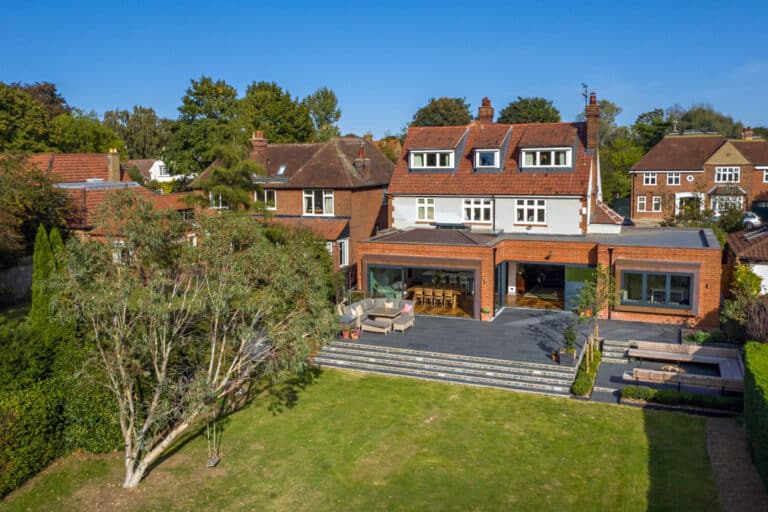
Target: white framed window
[(318, 202), (641, 204), (546, 157), (191, 239), (343, 252), (431, 159), (531, 211), (216, 202), (649, 178), (425, 208), (485, 158), (722, 203), (727, 174), (656, 203), (268, 196), (673, 178), (478, 210), (163, 170), (765, 175)]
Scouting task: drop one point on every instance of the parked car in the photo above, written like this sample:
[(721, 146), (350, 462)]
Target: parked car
[(751, 220)]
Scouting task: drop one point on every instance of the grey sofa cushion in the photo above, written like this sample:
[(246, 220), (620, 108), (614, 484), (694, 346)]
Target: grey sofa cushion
[(379, 303), (367, 303)]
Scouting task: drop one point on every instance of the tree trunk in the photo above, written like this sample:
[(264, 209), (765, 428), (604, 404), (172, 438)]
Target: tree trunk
[(135, 471)]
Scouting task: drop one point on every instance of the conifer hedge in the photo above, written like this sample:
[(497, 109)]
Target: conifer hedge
[(756, 404)]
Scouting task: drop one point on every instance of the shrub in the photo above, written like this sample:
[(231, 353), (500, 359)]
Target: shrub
[(582, 384), (673, 397), (89, 417), (756, 404), (30, 433)]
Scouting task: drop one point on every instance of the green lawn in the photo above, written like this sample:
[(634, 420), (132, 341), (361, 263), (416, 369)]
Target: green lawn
[(358, 442)]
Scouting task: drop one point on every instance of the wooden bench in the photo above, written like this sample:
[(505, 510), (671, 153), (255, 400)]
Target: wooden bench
[(705, 381)]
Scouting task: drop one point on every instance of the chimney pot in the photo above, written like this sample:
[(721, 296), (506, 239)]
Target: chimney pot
[(592, 98), (485, 111)]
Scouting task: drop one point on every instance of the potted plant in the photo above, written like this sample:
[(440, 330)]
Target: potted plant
[(485, 313), (345, 333), (354, 334), (555, 356), (569, 344)]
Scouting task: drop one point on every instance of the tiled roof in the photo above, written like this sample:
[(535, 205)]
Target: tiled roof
[(750, 245), (756, 151), (680, 153), (143, 165), (510, 180), (87, 200), (325, 228), (74, 167), (603, 214), (175, 201), (333, 164), (435, 237)]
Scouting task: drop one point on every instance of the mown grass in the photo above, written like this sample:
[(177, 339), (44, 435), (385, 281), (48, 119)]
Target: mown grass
[(359, 442)]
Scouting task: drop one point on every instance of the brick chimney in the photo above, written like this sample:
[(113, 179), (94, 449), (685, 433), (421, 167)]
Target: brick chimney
[(747, 133), (113, 165), (592, 113), (258, 152), (362, 163), (485, 111)]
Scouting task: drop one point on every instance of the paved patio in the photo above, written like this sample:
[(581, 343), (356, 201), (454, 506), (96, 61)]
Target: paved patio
[(516, 334)]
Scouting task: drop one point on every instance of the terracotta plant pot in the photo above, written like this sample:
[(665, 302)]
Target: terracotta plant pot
[(355, 335), (345, 335)]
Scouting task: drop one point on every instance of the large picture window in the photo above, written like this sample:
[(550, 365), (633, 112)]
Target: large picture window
[(727, 174), (531, 211), (550, 157), (478, 210), (431, 159), (318, 202), (722, 203), (425, 208), (656, 289)]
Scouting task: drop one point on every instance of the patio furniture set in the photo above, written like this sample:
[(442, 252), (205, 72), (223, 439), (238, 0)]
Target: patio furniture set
[(379, 315)]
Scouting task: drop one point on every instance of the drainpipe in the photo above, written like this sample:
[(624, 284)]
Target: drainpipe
[(610, 269), (493, 216)]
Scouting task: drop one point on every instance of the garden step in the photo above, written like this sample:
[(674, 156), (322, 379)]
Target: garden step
[(339, 350), (614, 360), (456, 357), (542, 389), (451, 370)]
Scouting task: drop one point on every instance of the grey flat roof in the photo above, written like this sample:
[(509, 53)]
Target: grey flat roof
[(673, 238)]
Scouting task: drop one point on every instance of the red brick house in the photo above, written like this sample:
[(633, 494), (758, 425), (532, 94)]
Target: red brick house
[(89, 177), (512, 215), (336, 189), (700, 172)]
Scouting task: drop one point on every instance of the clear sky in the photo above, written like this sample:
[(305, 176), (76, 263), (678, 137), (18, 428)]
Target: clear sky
[(386, 59)]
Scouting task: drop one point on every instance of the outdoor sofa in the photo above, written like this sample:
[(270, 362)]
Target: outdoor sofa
[(358, 315)]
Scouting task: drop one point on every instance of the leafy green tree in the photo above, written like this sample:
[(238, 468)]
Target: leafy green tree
[(607, 123), (325, 113), (443, 112), (704, 118), (529, 110), (207, 118), (144, 133), (46, 94), (29, 198), (81, 132), (43, 265), (650, 127), (761, 131), (24, 123), (181, 331), (616, 159), (597, 295), (282, 118), (230, 182)]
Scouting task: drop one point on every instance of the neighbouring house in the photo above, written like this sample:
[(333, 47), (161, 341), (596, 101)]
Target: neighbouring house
[(89, 177), (748, 248), (700, 172), (497, 215), (152, 170), (336, 189)]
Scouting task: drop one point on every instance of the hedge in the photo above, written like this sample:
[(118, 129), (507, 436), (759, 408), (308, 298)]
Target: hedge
[(582, 385), (756, 404), (673, 397), (30, 433)]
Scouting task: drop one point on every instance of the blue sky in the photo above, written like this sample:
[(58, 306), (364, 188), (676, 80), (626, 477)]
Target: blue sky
[(386, 59)]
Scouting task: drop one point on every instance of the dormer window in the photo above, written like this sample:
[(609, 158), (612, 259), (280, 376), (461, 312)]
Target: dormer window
[(431, 159), (486, 158), (546, 157)]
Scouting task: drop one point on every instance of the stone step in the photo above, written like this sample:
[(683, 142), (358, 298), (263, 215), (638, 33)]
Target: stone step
[(614, 343), (436, 359), (541, 389), (408, 365), (447, 356), (614, 360)]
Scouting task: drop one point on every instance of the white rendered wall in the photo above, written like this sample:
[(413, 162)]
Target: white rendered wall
[(761, 269), (562, 218)]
